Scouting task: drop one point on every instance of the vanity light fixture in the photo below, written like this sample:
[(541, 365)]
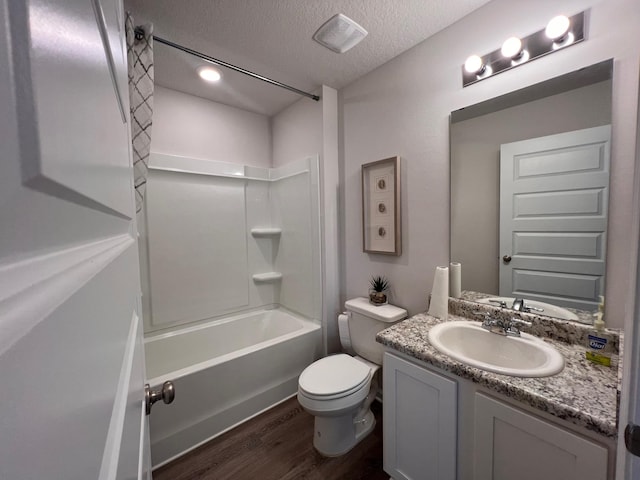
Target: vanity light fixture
[(560, 32), (209, 74)]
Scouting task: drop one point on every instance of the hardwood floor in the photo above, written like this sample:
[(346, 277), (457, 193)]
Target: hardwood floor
[(277, 445)]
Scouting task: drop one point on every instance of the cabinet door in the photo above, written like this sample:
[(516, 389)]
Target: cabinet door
[(419, 422), (510, 444)]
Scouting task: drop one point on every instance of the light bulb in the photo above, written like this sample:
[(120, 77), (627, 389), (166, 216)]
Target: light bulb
[(512, 47), (209, 74), (557, 27), (474, 64)]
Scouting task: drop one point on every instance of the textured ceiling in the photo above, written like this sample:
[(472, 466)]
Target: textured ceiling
[(273, 38)]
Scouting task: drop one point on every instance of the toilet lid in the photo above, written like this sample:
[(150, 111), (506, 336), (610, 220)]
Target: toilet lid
[(333, 375)]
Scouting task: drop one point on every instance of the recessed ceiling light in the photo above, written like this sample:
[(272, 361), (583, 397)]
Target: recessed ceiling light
[(209, 74)]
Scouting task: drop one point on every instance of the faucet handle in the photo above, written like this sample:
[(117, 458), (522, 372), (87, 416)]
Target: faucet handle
[(533, 309), (519, 321), (494, 325), (486, 315), (500, 303)]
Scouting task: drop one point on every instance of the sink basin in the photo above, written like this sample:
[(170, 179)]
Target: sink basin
[(549, 310), (524, 356)]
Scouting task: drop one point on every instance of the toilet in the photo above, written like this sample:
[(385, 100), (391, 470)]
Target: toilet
[(339, 389)]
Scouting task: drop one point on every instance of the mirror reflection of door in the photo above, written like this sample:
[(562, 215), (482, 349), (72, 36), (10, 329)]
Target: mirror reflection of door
[(553, 217)]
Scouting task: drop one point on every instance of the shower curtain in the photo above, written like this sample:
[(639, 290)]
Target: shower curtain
[(140, 60)]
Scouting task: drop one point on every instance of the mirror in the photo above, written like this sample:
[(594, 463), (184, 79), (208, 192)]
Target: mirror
[(529, 194)]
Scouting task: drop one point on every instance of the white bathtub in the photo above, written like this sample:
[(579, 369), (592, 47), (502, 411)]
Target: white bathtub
[(225, 372)]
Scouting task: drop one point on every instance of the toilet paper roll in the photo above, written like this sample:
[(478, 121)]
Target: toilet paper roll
[(455, 280), (439, 306), (343, 330)]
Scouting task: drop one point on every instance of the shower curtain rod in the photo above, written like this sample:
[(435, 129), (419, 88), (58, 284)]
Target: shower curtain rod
[(140, 34)]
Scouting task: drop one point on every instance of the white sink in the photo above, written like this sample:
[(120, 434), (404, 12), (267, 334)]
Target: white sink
[(524, 356), (548, 309)]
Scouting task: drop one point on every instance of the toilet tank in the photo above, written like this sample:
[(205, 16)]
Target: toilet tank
[(365, 321)]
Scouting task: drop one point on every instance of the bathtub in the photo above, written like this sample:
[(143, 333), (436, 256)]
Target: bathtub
[(225, 372)]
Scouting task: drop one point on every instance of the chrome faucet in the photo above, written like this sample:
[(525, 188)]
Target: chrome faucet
[(504, 327), (520, 306)]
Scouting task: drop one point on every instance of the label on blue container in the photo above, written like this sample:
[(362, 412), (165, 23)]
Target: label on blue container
[(597, 343)]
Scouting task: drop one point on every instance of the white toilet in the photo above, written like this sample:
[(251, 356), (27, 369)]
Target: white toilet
[(339, 389)]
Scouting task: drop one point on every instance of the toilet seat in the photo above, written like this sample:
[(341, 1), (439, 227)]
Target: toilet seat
[(334, 377)]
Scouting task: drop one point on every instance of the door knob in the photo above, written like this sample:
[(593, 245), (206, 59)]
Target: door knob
[(506, 258), (167, 394), (632, 439)]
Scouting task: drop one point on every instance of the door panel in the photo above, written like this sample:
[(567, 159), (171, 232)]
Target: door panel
[(551, 284), (78, 142), (561, 160), (553, 217), (113, 36), (62, 375), (578, 245), (129, 443), (569, 203)]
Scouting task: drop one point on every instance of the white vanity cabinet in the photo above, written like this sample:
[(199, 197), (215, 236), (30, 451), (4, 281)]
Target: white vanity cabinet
[(510, 443), (419, 422), (438, 426)]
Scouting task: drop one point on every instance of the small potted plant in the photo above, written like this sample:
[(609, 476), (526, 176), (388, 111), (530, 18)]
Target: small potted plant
[(377, 292)]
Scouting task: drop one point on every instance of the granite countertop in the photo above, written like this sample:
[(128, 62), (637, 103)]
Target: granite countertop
[(583, 393)]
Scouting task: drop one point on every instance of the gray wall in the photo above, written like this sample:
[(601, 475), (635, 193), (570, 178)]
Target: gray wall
[(402, 108), (195, 127), (297, 132), (475, 171), (311, 128)]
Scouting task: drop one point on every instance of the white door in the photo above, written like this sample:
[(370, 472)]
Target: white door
[(71, 354), (554, 193), (628, 463)]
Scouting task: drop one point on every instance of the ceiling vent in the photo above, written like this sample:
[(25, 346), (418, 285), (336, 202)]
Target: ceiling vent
[(339, 33)]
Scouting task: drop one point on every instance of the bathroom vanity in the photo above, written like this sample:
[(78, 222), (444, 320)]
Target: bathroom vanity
[(444, 419)]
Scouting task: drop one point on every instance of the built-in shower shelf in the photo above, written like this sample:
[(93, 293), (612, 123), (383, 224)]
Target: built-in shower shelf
[(269, 277), (266, 232)]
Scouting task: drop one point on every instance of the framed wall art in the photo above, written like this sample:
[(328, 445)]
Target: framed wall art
[(381, 229)]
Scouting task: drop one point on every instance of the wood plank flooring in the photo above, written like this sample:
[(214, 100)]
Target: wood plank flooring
[(277, 445)]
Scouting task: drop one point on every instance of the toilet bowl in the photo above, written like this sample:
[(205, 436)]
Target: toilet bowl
[(339, 389)]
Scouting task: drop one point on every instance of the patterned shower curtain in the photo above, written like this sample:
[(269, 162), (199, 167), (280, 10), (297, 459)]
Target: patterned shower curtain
[(140, 60)]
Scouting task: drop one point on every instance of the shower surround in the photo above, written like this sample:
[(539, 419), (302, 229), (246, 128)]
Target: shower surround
[(223, 241)]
